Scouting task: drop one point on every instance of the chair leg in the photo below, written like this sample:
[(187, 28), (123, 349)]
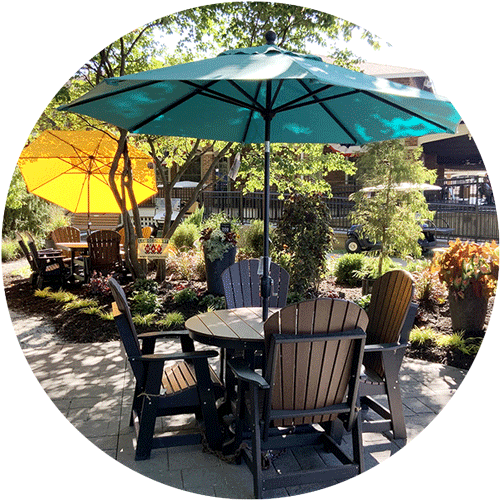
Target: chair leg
[(256, 446), (391, 368), (357, 443)]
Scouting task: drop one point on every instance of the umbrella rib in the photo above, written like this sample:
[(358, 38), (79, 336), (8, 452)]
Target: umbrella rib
[(317, 100), (247, 126), (248, 96), (108, 94), (213, 94), (168, 108), (329, 112), (404, 110), (297, 103), (278, 88)]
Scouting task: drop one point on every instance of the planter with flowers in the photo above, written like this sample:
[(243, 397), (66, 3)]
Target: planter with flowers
[(470, 272), (219, 249)]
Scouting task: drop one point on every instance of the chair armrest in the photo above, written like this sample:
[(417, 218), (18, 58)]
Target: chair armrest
[(173, 333), (175, 356), (243, 372), (384, 347)]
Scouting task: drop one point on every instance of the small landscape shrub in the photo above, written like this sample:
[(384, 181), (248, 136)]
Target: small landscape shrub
[(144, 319), (346, 266), (144, 302), (185, 296), (61, 296), (428, 288), (456, 340), (188, 265), (251, 240), (364, 301), (10, 250), (97, 285), (304, 232), (421, 336), (185, 236), (171, 320), (143, 284), (196, 217), (80, 304), (212, 303)]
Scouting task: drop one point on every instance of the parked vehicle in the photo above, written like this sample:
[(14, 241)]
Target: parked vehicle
[(357, 241)]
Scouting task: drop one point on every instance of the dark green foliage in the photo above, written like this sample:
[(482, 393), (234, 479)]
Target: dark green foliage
[(143, 284), (252, 240), (186, 296), (305, 234), (212, 302), (144, 302), (346, 267)]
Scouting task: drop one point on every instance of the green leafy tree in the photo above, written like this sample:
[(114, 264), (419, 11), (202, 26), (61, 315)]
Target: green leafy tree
[(390, 215)]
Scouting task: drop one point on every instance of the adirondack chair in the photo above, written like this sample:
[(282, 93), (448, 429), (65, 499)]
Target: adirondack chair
[(47, 266), (104, 253), (66, 233), (146, 233), (189, 386), (391, 314), (314, 351), (241, 285)]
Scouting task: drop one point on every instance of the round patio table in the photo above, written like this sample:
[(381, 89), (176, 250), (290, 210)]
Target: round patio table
[(236, 329)]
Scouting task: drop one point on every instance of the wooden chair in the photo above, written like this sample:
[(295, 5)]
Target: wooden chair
[(242, 285), (146, 233), (189, 386), (63, 234), (47, 266), (104, 253), (314, 351), (391, 314)]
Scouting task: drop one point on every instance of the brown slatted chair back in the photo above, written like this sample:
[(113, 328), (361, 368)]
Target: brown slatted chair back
[(310, 363), (146, 232), (29, 256), (104, 250), (390, 300), (242, 285), (66, 233)]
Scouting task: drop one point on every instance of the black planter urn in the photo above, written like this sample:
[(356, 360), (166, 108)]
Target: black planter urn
[(215, 268)]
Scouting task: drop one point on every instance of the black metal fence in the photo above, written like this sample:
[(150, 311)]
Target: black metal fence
[(472, 215)]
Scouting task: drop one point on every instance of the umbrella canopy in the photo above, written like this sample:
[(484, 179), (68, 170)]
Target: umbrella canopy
[(263, 94), (71, 169)]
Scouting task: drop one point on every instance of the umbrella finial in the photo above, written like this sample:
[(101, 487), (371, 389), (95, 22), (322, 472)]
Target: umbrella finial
[(271, 38)]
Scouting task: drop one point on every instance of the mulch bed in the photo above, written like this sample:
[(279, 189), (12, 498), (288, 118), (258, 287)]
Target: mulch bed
[(75, 326)]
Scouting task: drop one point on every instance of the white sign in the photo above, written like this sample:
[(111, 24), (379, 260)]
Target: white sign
[(152, 248)]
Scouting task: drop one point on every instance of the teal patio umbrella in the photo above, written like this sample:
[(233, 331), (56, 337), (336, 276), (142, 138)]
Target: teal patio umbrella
[(266, 94)]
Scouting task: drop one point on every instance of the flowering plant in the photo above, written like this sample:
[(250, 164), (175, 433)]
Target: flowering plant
[(216, 243), (467, 265)]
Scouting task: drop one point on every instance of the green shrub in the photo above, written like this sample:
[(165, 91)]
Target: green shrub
[(212, 302), (144, 319), (364, 301), (171, 320), (305, 233), (371, 265), (188, 265), (346, 268), (143, 284), (420, 336), (144, 302), (185, 236), (196, 217), (10, 250), (251, 241), (185, 296)]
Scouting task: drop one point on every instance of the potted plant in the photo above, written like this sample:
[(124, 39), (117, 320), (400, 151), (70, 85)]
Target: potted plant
[(470, 272), (219, 249)]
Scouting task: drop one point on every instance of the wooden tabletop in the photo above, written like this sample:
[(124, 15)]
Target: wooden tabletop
[(231, 328), (72, 245)]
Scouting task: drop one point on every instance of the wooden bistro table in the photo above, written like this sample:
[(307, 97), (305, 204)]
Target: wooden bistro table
[(233, 330), (73, 247)]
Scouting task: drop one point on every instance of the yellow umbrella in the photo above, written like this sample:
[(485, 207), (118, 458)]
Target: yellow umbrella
[(71, 169)]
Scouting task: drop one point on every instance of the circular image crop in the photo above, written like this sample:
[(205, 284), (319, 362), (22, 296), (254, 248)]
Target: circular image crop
[(248, 251)]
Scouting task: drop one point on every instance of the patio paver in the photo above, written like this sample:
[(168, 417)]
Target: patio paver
[(90, 384)]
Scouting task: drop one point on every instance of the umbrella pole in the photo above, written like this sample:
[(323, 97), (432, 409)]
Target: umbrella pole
[(265, 283)]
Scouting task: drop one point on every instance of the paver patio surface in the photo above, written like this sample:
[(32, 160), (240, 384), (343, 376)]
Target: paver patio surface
[(92, 387)]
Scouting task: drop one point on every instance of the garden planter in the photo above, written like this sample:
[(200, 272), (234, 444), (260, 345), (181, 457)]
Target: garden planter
[(468, 314), (214, 270)]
